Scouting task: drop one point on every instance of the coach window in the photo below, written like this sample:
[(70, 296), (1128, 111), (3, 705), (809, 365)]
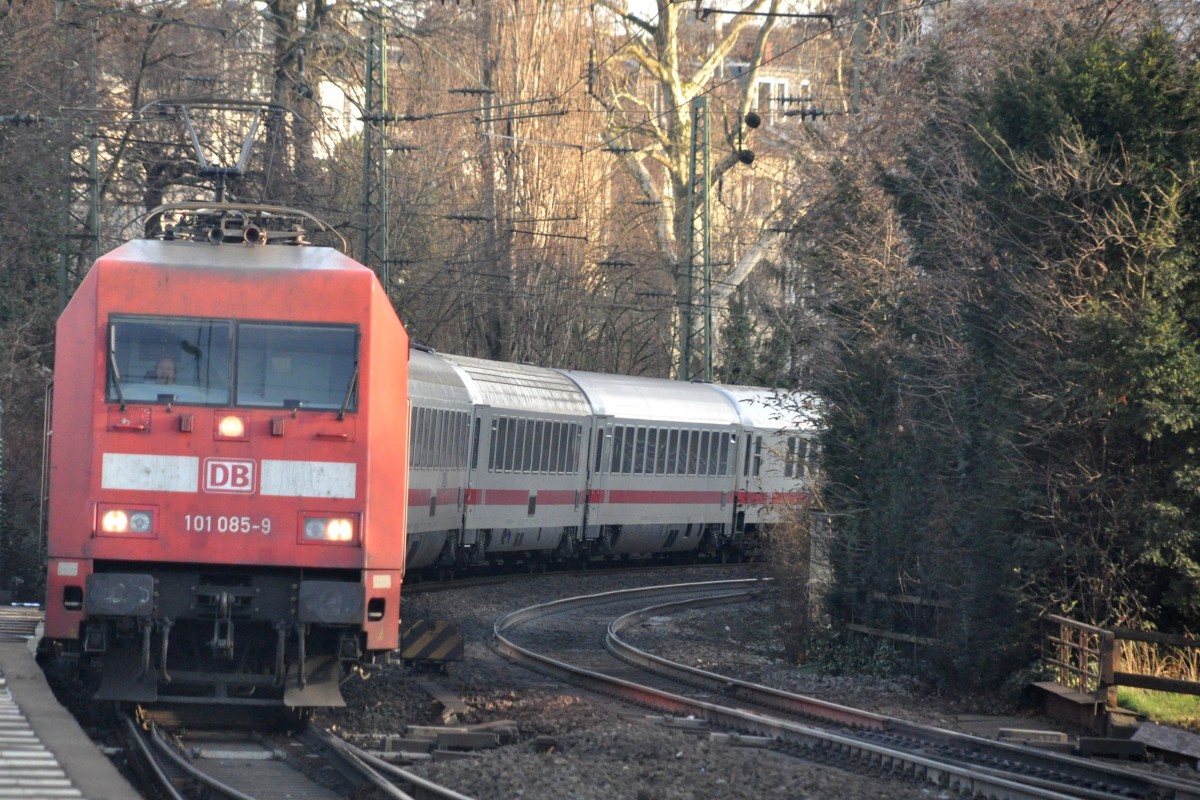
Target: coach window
[(436, 418), (534, 440), (507, 445), (531, 454), (412, 437), (419, 440), (463, 431), (438, 438), (573, 442), (672, 449), (497, 445), (418, 428), (558, 447), (694, 453), (536, 454), (757, 455), (509, 462), (297, 366), (511, 445), (494, 445), (796, 455), (429, 433), (501, 433), (557, 444), (639, 453), (429, 438), (521, 440), (475, 445), (470, 441), (627, 455), (168, 360), (553, 435), (413, 415), (517, 435), (443, 435)]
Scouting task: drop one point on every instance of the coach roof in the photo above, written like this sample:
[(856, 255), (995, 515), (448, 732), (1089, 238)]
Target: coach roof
[(771, 409), (654, 399), (520, 386)]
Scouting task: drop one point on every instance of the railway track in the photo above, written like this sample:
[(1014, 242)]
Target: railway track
[(235, 765), (972, 766)]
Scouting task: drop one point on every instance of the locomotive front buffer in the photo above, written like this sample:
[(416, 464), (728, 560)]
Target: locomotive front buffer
[(179, 637)]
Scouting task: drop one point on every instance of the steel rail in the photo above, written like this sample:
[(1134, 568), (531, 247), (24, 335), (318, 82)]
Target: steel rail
[(981, 749), (352, 761), (164, 747), (156, 752), (807, 739), (412, 786), (134, 736), (724, 685)]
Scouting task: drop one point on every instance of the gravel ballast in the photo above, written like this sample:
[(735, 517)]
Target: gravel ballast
[(575, 744)]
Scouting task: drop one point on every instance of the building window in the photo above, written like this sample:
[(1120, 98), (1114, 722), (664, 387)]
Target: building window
[(772, 96)]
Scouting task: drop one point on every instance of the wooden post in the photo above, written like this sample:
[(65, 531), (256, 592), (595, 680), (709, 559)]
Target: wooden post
[(1109, 655), (1064, 655)]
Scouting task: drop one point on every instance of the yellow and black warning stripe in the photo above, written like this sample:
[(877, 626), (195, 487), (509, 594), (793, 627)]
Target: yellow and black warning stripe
[(430, 640)]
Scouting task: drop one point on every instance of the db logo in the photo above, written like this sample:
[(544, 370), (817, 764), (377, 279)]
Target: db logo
[(229, 475)]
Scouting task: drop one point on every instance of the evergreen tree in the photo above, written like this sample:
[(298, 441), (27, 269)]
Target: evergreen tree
[(1012, 394)]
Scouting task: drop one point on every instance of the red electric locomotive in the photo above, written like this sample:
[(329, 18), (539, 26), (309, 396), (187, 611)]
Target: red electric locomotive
[(218, 531)]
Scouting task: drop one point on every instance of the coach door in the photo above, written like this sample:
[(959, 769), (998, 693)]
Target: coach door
[(596, 487), (477, 467)]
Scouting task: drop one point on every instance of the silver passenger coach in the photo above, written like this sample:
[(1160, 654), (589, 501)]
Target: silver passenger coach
[(516, 463)]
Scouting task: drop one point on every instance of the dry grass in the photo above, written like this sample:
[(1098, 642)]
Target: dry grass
[(1161, 661)]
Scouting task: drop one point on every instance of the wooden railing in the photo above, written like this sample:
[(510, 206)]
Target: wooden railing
[(1088, 659), (904, 618)]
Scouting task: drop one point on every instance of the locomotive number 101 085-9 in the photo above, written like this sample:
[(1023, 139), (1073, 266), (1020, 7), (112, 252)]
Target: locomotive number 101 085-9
[(209, 523)]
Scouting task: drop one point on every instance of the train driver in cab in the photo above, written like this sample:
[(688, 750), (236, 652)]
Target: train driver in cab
[(164, 370)]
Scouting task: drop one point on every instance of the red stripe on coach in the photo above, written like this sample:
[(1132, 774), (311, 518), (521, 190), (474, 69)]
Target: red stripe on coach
[(506, 497), (556, 497), (651, 497)]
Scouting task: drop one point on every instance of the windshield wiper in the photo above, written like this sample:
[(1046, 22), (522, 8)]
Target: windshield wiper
[(116, 375), (350, 387)]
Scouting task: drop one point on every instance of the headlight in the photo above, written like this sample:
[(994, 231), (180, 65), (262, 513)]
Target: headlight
[(119, 521), (329, 529), (231, 426), (115, 521)]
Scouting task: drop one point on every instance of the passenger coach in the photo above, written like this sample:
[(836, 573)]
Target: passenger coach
[(662, 465)]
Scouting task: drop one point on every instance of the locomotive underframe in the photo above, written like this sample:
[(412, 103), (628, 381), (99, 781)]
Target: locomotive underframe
[(224, 634)]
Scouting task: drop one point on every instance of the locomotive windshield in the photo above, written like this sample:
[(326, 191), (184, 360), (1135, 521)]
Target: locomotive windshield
[(228, 363)]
